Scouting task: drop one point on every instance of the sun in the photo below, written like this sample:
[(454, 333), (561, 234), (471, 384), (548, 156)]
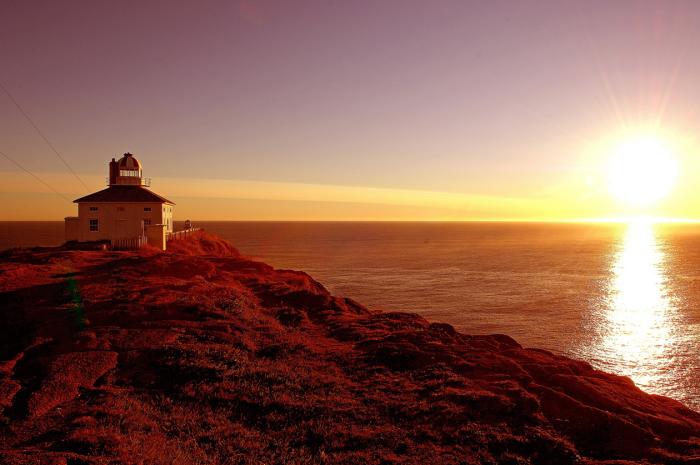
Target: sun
[(642, 171)]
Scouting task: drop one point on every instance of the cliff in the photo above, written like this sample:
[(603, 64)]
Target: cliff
[(199, 355)]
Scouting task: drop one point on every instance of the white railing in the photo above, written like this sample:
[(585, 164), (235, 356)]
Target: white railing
[(145, 182), (129, 243), (182, 234)]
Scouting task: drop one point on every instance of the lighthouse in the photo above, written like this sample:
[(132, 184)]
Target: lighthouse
[(126, 213)]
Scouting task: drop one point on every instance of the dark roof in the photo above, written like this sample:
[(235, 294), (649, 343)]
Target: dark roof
[(124, 194)]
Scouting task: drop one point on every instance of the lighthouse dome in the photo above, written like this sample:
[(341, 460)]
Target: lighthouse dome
[(126, 171), (129, 163)]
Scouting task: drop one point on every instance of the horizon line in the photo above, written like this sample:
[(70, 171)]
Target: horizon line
[(610, 220)]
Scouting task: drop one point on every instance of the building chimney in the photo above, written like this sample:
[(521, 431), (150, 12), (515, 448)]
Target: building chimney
[(113, 172)]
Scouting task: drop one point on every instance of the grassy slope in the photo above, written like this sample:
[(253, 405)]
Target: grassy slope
[(198, 355)]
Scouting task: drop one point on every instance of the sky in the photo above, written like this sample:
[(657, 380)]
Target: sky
[(337, 110)]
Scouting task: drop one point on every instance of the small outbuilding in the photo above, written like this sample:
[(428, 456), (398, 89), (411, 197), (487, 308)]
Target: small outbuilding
[(126, 213)]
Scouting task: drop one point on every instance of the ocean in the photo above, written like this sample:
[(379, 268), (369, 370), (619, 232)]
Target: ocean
[(625, 298)]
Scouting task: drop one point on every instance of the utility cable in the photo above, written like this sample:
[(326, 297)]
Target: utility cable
[(29, 119), (35, 176)]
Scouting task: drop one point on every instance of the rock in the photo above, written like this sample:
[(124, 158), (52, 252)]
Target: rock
[(66, 374), (200, 355)]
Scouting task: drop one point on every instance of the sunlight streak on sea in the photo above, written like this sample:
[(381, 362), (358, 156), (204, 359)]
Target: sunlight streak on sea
[(637, 328)]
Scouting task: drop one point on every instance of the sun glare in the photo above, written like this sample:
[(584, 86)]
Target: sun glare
[(642, 171)]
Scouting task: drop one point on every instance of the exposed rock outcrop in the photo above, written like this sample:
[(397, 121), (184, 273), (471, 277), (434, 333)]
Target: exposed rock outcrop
[(198, 355)]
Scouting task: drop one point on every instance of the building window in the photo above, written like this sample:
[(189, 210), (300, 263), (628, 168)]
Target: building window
[(93, 209), (120, 209), (147, 209), (146, 221), (94, 225)]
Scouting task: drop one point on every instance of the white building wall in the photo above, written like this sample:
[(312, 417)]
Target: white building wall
[(119, 220), (167, 218)]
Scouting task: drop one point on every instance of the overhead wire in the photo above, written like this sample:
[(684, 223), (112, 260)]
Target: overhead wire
[(48, 142), (16, 163)]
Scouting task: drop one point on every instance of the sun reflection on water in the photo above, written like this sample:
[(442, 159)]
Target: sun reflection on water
[(636, 332)]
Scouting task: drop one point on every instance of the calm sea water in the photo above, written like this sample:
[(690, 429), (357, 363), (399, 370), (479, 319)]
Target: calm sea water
[(625, 298)]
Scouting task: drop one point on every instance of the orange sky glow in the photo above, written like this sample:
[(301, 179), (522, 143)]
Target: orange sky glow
[(393, 111)]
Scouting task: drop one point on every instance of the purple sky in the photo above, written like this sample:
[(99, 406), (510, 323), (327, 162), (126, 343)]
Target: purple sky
[(492, 98)]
